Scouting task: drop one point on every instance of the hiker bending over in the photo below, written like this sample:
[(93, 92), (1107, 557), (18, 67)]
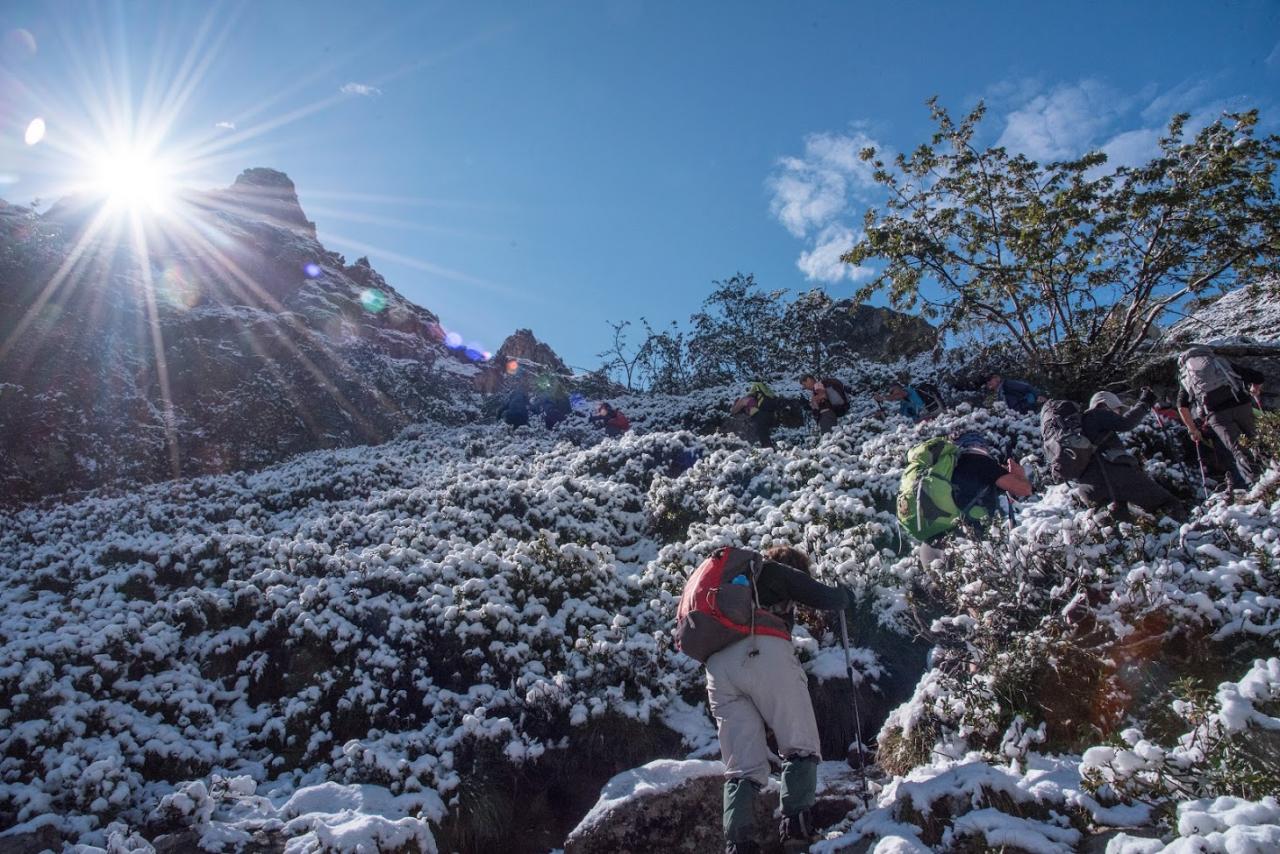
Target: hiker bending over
[(612, 420), (1114, 475), (515, 408), (754, 680), (828, 398), (1017, 395), (760, 405), (918, 402), (952, 483), (1218, 388)]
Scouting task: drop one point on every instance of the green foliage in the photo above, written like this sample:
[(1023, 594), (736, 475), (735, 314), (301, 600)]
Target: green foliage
[(1074, 264)]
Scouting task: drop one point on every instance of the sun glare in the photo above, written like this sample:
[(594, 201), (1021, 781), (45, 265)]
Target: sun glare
[(133, 180)]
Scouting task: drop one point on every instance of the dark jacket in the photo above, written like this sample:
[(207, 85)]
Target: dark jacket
[(779, 585), (1100, 426)]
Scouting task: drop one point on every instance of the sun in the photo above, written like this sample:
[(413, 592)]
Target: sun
[(134, 180)]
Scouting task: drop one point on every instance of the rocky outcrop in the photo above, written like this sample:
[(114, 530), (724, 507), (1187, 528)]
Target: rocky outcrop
[(522, 345), (521, 355), (677, 806), (875, 333), (238, 340)]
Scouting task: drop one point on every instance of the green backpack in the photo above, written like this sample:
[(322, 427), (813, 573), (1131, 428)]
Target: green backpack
[(926, 506)]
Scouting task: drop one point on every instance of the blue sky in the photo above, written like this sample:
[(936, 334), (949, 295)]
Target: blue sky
[(556, 165)]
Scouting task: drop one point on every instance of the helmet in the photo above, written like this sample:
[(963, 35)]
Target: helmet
[(1105, 398)]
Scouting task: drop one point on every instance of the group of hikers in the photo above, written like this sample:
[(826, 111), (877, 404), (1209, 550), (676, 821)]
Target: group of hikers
[(548, 396), (737, 609)]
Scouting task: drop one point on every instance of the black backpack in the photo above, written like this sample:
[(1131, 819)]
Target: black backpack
[(833, 384), (933, 402), (1065, 445)]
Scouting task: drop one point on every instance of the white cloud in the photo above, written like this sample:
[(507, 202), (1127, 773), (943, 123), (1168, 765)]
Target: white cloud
[(1063, 123), (226, 125), (363, 89), (822, 263), (1273, 58), (1131, 148), (811, 191)]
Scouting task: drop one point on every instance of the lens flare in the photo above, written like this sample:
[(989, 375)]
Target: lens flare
[(35, 131), (453, 341), (373, 300), (512, 366), (312, 270)]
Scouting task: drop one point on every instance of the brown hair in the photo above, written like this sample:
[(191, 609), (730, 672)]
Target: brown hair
[(788, 556)]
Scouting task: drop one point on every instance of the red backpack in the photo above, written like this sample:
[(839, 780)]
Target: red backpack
[(719, 605), (619, 421)]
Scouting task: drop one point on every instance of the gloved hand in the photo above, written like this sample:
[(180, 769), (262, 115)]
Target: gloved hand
[(1146, 397)]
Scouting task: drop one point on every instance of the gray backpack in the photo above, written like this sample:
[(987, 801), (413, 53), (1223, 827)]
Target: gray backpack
[(1065, 445), (1202, 372)]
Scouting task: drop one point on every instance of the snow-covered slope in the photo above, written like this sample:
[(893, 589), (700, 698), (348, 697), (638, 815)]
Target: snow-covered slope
[(456, 637)]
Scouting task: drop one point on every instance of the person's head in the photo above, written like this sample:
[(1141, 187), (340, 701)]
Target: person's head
[(993, 381), (604, 409), (972, 440), (1107, 399), (808, 381), (788, 556), (897, 391)]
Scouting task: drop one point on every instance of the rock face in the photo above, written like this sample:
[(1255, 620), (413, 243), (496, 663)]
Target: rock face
[(1243, 316), (879, 334), (238, 340), (524, 348)]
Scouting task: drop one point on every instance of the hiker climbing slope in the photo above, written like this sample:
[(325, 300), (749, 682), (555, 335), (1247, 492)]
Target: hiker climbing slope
[(1018, 395), (736, 616), (948, 484), (919, 401), (828, 398), (614, 422), (1114, 475), (760, 405), (1225, 393)]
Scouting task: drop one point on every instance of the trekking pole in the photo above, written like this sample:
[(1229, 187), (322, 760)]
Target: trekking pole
[(1204, 480), (857, 716)]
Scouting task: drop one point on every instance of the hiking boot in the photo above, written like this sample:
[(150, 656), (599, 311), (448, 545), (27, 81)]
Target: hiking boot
[(796, 831)]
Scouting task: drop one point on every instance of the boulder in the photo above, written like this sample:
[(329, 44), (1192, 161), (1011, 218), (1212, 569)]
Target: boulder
[(878, 334)]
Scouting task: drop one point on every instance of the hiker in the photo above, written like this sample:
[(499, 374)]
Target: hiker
[(612, 420), (953, 483), (1226, 394), (919, 402), (828, 398), (515, 408), (1018, 395), (755, 681), (552, 400), (1114, 475), (760, 405)]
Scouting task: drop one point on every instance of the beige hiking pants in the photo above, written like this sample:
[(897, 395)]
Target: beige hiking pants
[(749, 692)]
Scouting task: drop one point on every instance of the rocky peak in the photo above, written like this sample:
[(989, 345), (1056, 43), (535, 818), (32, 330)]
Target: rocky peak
[(270, 194), (523, 346)]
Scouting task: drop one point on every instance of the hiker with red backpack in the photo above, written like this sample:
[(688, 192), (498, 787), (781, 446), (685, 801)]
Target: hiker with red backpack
[(828, 398), (735, 616), (1225, 393), (612, 420), (760, 405)]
